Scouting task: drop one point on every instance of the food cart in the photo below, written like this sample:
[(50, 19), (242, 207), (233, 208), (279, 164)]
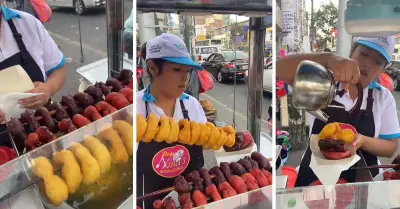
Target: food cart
[(367, 192), (263, 142)]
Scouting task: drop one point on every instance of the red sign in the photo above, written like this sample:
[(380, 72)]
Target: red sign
[(171, 161)]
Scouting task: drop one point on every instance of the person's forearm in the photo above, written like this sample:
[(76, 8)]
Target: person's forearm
[(56, 80), (379, 147), (286, 67)]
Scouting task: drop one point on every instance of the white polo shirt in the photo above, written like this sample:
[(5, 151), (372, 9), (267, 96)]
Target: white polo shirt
[(384, 111), (192, 105), (37, 40)]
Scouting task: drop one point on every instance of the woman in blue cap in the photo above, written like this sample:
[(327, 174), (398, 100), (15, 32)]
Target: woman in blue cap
[(376, 122), (168, 64)]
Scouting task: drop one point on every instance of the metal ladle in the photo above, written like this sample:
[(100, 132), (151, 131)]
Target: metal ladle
[(314, 88)]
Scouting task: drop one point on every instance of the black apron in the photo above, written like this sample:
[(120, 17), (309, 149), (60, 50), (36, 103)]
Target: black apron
[(26, 61), (363, 121), (153, 181)]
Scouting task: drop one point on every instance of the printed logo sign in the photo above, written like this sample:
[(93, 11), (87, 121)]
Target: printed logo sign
[(180, 47), (171, 161)]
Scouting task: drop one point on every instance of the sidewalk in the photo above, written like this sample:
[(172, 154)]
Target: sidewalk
[(71, 52)]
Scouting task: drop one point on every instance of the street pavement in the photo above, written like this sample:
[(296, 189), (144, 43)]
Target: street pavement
[(64, 22), (63, 27)]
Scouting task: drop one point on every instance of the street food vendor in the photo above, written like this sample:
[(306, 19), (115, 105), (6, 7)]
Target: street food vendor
[(25, 42), (376, 123), (168, 64)]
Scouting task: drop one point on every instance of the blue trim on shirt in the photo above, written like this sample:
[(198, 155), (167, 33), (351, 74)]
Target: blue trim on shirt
[(286, 86), (147, 97), (389, 136), (374, 85), (56, 67), (8, 14)]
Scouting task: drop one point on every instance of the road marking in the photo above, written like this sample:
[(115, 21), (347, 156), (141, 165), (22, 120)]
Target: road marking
[(86, 47), (214, 100)]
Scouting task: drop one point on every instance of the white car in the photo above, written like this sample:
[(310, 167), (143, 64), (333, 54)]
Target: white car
[(267, 77), (203, 52), (80, 6)]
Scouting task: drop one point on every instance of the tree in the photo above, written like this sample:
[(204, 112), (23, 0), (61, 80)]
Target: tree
[(235, 30), (324, 20)]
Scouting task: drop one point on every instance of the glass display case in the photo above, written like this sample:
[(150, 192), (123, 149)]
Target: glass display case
[(256, 199), (363, 195), (18, 184)]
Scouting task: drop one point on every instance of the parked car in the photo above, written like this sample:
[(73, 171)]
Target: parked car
[(223, 66), (80, 6), (201, 52), (267, 77)]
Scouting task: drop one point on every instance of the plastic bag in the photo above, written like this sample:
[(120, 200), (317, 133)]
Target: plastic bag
[(206, 81), (41, 9), (386, 81)]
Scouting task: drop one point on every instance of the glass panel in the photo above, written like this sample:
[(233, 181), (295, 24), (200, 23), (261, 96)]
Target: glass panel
[(261, 198), (239, 55), (17, 173), (208, 50), (370, 195)]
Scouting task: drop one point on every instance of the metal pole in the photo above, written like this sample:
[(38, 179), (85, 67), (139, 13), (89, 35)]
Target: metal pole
[(256, 70), (344, 39), (234, 88), (312, 26), (115, 23), (80, 38), (147, 29), (186, 33)]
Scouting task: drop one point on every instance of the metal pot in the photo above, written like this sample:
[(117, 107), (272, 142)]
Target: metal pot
[(314, 89)]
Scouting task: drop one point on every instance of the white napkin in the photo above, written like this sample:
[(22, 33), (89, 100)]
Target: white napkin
[(328, 171), (10, 106)]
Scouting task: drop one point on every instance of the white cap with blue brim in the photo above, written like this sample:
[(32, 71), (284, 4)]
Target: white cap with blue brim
[(384, 45), (170, 48)]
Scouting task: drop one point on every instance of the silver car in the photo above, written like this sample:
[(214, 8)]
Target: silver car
[(80, 6)]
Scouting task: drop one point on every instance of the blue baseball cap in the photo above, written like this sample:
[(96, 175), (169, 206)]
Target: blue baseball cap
[(384, 45), (170, 48)]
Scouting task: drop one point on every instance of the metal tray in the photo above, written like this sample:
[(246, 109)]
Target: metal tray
[(98, 71)]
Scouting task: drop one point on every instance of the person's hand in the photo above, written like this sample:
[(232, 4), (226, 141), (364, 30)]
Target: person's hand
[(344, 70), (39, 100), (358, 142)]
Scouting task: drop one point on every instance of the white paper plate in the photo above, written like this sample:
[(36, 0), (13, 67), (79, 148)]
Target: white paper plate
[(328, 171)]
